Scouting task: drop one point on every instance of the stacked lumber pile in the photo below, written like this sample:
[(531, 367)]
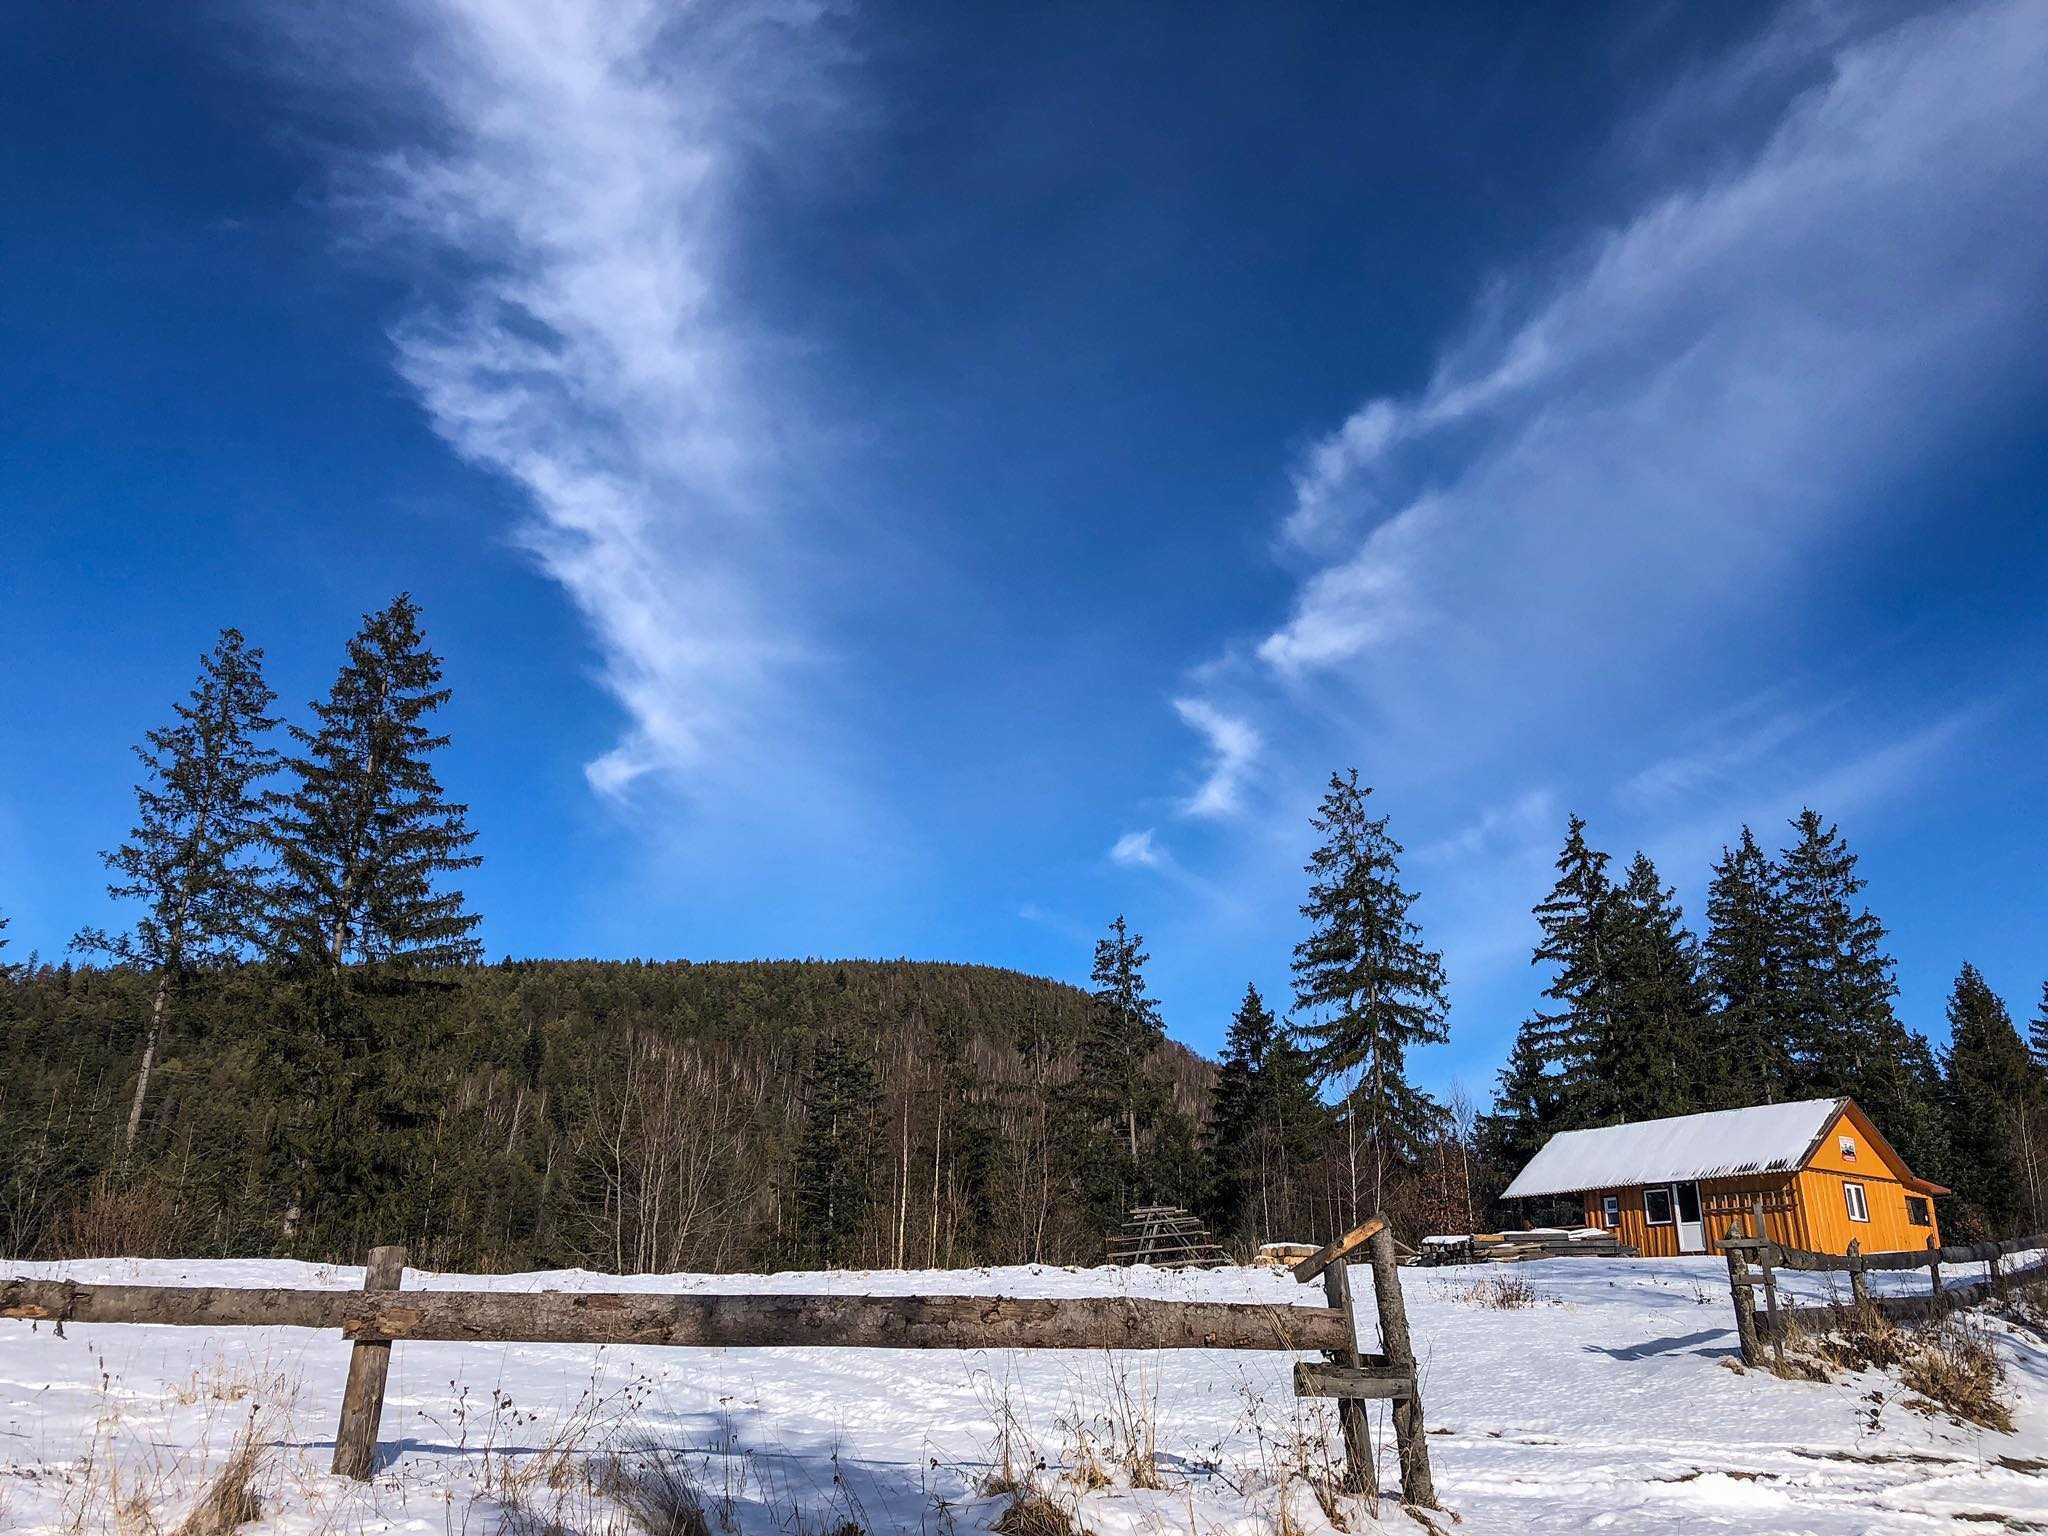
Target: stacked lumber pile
[(1166, 1236), (1516, 1247)]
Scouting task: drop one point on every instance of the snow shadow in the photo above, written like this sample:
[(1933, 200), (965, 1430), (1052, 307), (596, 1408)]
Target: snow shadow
[(1676, 1344)]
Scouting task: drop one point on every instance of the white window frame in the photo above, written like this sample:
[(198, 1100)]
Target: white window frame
[(1858, 1203), (1670, 1205), (1610, 1212)]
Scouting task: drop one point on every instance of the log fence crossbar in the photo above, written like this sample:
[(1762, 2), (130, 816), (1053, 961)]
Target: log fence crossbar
[(383, 1313), (1768, 1257)]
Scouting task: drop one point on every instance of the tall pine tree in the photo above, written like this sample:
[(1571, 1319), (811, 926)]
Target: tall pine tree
[(1528, 1105), (1751, 1032), (7, 969), (365, 834), (192, 860), (835, 1153), (1989, 1090), (1123, 1033), (1847, 1038), (1578, 922), (2037, 1032), (1649, 1059), (1369, 989), (1265, 1120)]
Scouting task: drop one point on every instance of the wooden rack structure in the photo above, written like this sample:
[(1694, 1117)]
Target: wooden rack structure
[(1166, 1236)]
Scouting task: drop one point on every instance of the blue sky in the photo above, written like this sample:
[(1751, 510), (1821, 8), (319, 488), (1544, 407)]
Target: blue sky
[(923, 481)]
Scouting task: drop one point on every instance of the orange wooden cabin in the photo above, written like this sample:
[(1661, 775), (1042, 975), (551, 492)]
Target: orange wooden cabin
[(1821, 1172)]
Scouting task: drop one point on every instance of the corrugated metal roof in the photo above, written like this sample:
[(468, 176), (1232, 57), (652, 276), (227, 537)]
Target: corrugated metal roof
[(1723, 1143)]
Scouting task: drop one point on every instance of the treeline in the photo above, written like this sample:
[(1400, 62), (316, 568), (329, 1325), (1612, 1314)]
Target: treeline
[(295, 1047), (1788, 996)]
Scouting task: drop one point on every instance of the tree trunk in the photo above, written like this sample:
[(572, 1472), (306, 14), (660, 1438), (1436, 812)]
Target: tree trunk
[(157, 1004)]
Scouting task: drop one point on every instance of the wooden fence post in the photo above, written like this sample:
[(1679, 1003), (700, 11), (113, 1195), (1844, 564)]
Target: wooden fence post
[(1859, 1288), (362, 1400), (1934, 1276), (1360, 1475), (1418, 1484), (1740, 1293), (1763, 1259)]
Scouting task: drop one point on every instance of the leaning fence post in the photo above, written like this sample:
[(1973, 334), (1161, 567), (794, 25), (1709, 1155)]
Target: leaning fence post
[(1418, 1484), (362, 1400), (1740, 1293), (1360, 1476), (1859, 1288), (1934, 1277)]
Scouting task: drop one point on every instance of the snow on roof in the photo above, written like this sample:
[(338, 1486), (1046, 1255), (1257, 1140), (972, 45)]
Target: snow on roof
[(1770, 1138)]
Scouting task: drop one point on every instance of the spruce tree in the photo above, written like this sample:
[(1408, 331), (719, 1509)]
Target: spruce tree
[(1846, 1036), (1265, 1120), (7, 969), (1751, 1032), (1578, 920), (1648, 1060), (1123, 1033), (1839, 978), (2037, 1032), (1368, 988), (834, 1155), (192, 860), (1528, 1106), (1988, 1090), (365, 834)]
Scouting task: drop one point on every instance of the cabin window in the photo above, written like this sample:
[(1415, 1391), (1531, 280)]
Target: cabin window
[(1917, 1212), (1859, 1208), (1610, 1211), (1657, 1207), (1848, 1146)]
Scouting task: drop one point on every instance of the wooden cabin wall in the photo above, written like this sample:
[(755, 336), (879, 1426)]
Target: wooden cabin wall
[(1780, 1225)]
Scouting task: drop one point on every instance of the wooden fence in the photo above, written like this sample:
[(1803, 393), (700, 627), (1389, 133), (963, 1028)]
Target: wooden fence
[(1754, 1262), (383, 1313)]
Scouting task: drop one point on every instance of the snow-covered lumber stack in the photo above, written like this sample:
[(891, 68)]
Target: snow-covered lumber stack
[(1514, 1247)]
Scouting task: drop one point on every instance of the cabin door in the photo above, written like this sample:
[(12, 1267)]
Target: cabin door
[(1692, 1232)]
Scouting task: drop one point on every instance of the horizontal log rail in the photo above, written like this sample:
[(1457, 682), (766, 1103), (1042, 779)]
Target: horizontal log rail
[(1911, 1258), (383, 1313), (739, 1321), (1742, 1250)]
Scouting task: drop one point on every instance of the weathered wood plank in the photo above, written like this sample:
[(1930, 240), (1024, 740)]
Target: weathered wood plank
[(883, 1322), (369, 1364), (1343, 1381), (716, 1321), (1336, 1249), (189, 1306)]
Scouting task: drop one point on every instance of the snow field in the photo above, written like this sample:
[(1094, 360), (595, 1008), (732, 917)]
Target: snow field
[(1602, 1405)]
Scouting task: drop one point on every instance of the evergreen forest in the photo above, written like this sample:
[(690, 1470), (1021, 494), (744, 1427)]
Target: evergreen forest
[(294, 1045)]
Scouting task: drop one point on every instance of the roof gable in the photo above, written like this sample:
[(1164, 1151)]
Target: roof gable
[(1722, 1143)]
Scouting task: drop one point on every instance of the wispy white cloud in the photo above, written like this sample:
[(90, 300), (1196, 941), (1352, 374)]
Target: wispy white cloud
[(1138, 850), (561, 175), (1530, 816), (1234, 745), (1668, 421)]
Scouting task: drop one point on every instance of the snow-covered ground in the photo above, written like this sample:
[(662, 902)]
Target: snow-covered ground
[(1605, 1406)]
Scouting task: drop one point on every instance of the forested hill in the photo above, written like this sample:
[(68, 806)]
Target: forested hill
[(621, 1115)]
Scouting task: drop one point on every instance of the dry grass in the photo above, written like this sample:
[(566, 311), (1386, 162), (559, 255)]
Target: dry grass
[(1954, 1368), (1501, 1293), (1950, 1364), (140, 1221), (657, 1492), (230, 1500), (1032, 1513)]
